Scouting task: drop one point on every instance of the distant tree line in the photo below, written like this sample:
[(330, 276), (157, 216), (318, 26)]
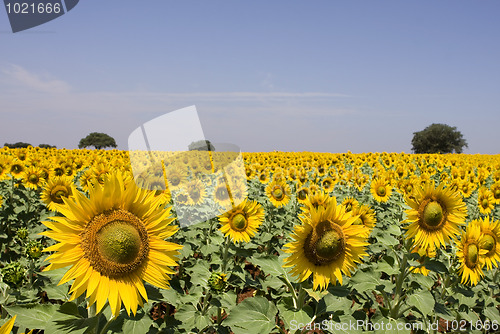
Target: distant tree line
[(25, 145)]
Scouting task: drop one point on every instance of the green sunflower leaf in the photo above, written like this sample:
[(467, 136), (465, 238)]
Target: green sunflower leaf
[(423, 301), (254, 315), (33, 315)]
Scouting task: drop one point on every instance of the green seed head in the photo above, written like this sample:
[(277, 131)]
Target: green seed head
[(119, 242), (239, 222), (472, 256), (329, 244), (433, 214)]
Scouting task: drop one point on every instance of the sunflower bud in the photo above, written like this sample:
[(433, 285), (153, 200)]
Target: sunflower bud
[(34, 249), (22, 233), (217, 281), (13, 274)]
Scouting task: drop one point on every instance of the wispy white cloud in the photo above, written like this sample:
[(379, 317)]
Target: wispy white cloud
[(238, 117), (238, 96), (19, 76)]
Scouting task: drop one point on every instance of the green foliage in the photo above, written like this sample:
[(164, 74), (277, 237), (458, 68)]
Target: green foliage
[(438, 138), (46, 146), (17, 145), (201, 145), (98, 140)]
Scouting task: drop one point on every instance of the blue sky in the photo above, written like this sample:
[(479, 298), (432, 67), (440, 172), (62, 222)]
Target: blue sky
[(324, 76)]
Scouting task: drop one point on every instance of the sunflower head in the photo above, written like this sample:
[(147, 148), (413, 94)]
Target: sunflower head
[(327, 244), (471, 255), (56, 190), (436, 215), (113, 239), (278, 192), (490, 241), (381, 190), (241, 223)]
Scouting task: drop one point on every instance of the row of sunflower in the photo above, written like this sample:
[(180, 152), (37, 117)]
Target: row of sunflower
[(304, 240)]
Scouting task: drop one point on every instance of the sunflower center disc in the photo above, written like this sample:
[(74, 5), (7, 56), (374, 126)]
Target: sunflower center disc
[(57, 194), (358, 221), (119, 242), (329, 244), (175, 180), (33, 178), (195, 194), (324, 244), (488, 243), (302, 195), (239, 222), (472, 255), (497, 193), (221, 193), (381, 191), (115, 242), (278, 193), (433, 214), (485, 203)]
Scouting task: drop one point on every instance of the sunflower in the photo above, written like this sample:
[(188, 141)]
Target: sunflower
[(196, 191), (467, 188), (87, 180), (4, 167), (302, 194), (113, 240), (436, 215), (490, 241), (278, 193), (326, 245), (495, 190), (350, 203), (485, 201), (264, 177), (366, 217), (328, 184), (315, 201), (182, 198), (1, 201), (238, 188), (56, 189), (175, 177), (16, 168), (241, 223), (381, 190), (32, 178), (471, 255), (221, 195)]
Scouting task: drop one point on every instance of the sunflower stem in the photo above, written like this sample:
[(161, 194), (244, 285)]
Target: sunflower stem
[(269, 228), (301, 296), (403, 273), (105, 328), (224, 256), (31, 272), (219, 315), (295, 299), (206, 302)]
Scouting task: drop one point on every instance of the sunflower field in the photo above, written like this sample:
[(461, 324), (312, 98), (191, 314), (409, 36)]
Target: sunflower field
[(309, 243)]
